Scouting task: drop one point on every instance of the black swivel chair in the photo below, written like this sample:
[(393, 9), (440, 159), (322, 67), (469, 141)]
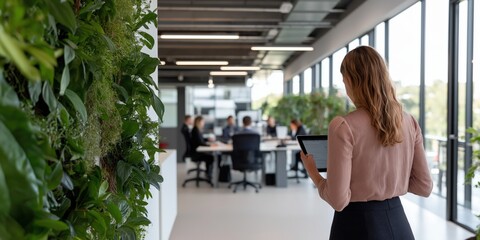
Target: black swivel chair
[(246, 157), (296, 168), (197, 159)]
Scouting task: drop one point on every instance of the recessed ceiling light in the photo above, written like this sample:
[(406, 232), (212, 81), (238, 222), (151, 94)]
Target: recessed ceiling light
[(202, 63), (240, 68), (221, 73), (200, 36), (279, 48), (162, 62)]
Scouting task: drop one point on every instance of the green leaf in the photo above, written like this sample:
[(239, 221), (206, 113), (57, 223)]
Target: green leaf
[(99, 222), (52, 224), (126, 232), (64, 117), (47, 74), (56, 176), (49, 97), (139, 221), (65, 80), (110, 44), (123, 171), (68, 54), (43, 57), (102, 190), (34, 89), (155, 180), (91, 7), (147, 65), (11, 49), (158, 106), (147, 18), (5, 196), (8, 96), (63, 13), (18, 172), (122, 91), (67, 181), (149, 40), (130, 128), (114, 210), (77, 103)]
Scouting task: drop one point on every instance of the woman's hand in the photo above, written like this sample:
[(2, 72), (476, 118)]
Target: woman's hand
[(311, 167), (308, 161)]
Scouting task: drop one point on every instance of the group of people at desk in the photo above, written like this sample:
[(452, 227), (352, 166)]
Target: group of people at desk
[(195, 138)]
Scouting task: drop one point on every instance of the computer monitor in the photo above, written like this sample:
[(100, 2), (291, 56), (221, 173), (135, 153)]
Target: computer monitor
[(282, 131)]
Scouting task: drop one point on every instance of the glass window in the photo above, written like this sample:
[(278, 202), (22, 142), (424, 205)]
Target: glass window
[(365, 40), (380, 39), (353, 44), (296, 85), (337, 62), (436, 87), (476, 100), (307, 81), (169, 99), (404, 54), (466, 195), (325, 74)]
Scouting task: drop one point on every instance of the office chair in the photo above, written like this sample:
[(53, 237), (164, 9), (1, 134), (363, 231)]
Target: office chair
[(295, 168), (246, 157), (190, 153), (197, 179)]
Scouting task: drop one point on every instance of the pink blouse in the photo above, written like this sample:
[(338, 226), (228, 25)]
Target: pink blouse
[(360, 168)]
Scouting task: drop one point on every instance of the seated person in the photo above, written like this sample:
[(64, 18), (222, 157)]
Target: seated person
[(198, 140), (296, 129), (271, 127), (247, 126), (186, 132), (230, 129)]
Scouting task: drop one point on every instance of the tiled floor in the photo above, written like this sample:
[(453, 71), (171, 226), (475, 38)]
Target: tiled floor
[(295, 212)]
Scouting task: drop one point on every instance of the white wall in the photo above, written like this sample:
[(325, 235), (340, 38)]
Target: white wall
[(357, 23)]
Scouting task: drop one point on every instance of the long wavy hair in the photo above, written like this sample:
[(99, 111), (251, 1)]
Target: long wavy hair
[(371, 88)]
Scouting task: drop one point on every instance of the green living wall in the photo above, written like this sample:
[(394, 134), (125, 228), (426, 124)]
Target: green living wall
[(76, 145)]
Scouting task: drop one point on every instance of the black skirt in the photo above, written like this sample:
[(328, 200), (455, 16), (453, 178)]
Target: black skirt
[(372, 220)]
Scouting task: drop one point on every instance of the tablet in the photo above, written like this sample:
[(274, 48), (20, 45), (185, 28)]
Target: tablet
[(317, 145)]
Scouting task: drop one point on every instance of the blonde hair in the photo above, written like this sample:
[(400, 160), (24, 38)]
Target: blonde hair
[(372, 89)]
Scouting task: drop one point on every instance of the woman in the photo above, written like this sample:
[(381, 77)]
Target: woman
[(375, 154), (296, 128), (271, 129), (198, 140)]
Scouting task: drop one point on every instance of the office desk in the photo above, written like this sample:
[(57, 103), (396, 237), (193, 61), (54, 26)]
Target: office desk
[(268, 146)]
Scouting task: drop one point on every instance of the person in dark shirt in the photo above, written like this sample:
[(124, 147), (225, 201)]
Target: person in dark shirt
[(271, 127), (296, 129), (198, 140), (247, 126), (230, 129), (185, 130)]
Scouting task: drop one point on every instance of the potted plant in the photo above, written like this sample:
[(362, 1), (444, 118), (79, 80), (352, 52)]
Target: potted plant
[(469, 178)]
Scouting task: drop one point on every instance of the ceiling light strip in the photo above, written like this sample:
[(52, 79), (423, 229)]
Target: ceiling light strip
[(200, 37), (240, 68), (221, 73), (285, 48), (201, 63)]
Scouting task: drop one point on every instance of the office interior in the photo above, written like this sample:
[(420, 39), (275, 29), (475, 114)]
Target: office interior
[(431, 48)]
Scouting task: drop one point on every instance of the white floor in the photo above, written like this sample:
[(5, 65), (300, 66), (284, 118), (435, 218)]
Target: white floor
[(295, 212)]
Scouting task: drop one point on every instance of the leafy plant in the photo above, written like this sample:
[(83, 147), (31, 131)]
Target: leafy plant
[(315, 110), (76, 144), (475, 166)]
